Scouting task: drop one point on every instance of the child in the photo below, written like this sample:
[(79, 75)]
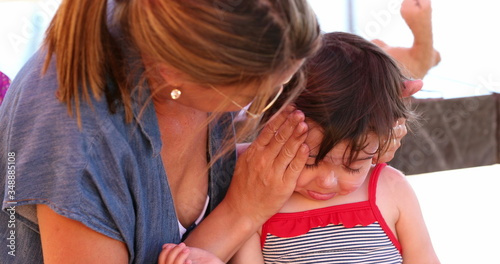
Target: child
[(345, 209)]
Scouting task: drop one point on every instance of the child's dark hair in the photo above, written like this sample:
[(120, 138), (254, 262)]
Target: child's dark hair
[(353, 88)]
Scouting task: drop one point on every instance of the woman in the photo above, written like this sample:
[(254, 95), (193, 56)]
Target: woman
[(126, 170), (124, 142)]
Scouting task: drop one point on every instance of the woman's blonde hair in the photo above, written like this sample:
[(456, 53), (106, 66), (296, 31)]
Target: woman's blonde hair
[(221, 42)]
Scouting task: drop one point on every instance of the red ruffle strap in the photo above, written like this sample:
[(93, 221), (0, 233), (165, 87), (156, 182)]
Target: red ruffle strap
[(295, 224)]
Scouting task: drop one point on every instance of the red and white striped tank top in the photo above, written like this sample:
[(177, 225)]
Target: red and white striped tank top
[(347, 233)]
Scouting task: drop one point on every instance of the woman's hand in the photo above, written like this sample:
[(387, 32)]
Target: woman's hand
[(399, 131), (410, 87), (181, 254), (266, 173), (264, 178)]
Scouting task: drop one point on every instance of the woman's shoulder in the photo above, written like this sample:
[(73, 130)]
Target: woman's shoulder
[(37, 124), (32, 81), (32, 103)]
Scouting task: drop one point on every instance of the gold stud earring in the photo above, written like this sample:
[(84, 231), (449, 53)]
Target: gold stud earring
[(175, 94)]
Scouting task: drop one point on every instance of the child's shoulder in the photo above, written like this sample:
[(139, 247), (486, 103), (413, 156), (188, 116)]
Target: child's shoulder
[(393, 194), (391, 173), (393, 179)]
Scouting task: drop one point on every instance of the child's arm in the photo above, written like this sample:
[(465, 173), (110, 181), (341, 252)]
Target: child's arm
[(250, 252), (410, 227)]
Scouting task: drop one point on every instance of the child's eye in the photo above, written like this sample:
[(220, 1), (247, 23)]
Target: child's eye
[(351, 170), (311, 166)]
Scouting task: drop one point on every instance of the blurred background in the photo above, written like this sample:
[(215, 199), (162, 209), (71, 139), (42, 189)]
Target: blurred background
[(451, 158), (465, 32)]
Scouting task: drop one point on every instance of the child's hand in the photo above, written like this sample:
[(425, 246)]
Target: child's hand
[(181, 254), (174, 254)]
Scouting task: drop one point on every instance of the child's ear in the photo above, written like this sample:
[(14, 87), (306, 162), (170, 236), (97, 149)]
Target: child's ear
[(410, 87)]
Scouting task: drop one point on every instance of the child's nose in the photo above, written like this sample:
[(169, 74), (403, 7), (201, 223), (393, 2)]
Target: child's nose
[(327, 179)]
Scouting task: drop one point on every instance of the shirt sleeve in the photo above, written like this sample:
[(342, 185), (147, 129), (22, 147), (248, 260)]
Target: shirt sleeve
[(55, 162)]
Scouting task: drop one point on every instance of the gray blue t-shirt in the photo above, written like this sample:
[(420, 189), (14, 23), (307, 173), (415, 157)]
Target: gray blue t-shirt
[(107, 175)]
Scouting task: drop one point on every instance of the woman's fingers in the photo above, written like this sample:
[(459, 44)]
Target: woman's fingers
[(293, 125), (266, 173), (273, 125), (296, 166), (283, 148), (410, 87), (293, 154), (280, 140), (399, 131), (288, 138)]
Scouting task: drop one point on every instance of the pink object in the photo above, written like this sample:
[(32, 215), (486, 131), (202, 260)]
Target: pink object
[(4, 85)]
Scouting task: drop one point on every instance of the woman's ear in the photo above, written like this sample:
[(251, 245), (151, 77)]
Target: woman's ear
[(171, 76)]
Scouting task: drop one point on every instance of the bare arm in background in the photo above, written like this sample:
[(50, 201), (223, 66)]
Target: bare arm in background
[(421, 57)]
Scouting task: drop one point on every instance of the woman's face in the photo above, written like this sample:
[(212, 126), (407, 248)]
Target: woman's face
[(331, 177), (225, 98)]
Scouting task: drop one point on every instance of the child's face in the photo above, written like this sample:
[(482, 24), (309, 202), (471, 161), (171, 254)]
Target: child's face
[(331, 177)]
